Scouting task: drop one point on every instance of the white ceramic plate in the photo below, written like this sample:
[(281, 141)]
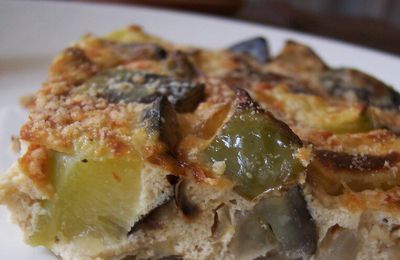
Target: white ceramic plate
[(31, 33)]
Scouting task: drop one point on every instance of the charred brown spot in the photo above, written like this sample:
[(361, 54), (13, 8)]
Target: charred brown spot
[(180, 65), (116, 177), (356, 163), (137, 51), (244, 101), (216, 219), (167, 162), (187, 207), (172, 179), (118, 147), (151, 220), (72, 66), (215, 223), (76, 55)]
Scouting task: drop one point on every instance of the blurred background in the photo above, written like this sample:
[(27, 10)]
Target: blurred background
[(372, 23)]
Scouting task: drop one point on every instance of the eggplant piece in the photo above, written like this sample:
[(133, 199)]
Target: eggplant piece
[(161, 118), (339, 243), (333, 171), (256, 48), (278, 227), (290, 222), (253, 237), (356, 86), (108, 53), (180, 66), (299, 62), (121, 85), (258, 150), (296, 58)]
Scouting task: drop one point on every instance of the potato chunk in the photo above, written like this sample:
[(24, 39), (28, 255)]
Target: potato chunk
[(84, 206)]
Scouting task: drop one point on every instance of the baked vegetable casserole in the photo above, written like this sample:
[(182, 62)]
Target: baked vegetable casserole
[(137, 148)]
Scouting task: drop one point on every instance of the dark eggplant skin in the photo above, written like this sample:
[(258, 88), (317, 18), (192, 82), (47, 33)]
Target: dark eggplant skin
[(122, 85), (256, 48), (161, 118), (290, 222), (335, 172), (356, 86)]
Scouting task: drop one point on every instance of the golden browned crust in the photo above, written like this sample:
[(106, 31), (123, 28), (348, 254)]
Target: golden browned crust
[(349, 146)]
